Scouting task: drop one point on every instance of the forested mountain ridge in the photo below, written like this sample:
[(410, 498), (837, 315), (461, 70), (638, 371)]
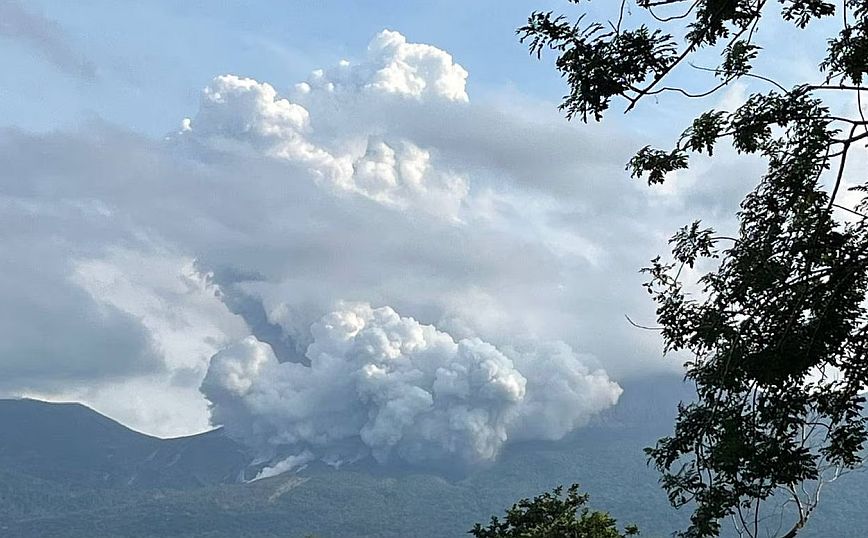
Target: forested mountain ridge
[(66, 471)]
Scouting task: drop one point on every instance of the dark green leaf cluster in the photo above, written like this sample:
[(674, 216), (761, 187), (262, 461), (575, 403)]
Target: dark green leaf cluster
[(848, 52), (706, 129), (750, 127), (737, 59), (779, 342), (656, 163), (777, 330), (716, 19), (601, 62), (598, 64), (802, 11), (692, 242), (553, 515)]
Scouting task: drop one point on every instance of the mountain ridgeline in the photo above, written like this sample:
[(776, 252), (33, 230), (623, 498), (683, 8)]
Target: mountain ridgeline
[(67, 471), (72, 444)]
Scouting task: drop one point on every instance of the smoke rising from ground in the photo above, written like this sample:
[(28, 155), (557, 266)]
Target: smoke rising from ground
[(388, 386), (382, 180)]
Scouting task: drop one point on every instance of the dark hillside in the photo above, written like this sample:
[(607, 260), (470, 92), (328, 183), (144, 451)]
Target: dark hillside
[(72, 444), (68, 472)]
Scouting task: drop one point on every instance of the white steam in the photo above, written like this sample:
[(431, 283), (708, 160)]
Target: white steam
[(248, 116), (290, 463), (374, 180), (387, 386)]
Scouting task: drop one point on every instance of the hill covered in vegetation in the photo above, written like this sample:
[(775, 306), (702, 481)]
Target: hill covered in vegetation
[(66, 471)]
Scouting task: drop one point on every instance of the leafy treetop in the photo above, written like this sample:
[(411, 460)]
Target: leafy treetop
[(777, 328), (553, 515)]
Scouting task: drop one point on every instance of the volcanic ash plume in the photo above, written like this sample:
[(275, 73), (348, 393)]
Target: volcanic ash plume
[(388, 386)]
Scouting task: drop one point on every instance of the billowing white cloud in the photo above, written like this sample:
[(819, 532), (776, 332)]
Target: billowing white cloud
[(395, 66), (382, 184), (235, 110), (389, 386), (404, 174), (243, 114)]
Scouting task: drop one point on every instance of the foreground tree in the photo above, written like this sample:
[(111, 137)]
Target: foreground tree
[(776, 329), (553, 515)]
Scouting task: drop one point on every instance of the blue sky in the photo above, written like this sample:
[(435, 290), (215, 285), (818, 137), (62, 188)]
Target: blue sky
[(152, 58)]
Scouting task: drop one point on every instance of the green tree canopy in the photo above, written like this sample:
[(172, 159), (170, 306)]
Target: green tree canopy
[(776, 326), (553, 515)]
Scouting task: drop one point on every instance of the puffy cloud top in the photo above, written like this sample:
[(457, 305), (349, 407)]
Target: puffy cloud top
[(414, 69), (404, 174), (236, 110), (394, 66), (248, 98), (242, 114), (387, 385)]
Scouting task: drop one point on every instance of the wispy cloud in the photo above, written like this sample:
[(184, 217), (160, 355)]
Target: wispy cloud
[(45, 36)]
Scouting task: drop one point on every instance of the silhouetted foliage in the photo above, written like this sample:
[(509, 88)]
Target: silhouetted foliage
[(777, 328), (553, 515)]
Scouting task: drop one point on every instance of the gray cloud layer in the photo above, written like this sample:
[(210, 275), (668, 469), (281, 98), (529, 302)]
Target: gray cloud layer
[(378, 183)]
